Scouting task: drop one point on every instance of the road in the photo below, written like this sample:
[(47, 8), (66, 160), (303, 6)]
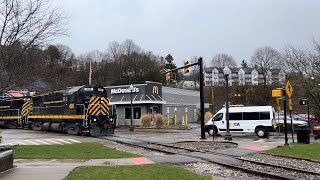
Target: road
[(30, 137)]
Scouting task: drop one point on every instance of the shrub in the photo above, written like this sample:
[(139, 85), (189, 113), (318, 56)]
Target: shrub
[(145, 120), (207, 116), (159, 120)]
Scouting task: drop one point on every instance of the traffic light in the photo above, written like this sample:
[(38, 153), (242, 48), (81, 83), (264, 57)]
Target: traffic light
[(185, 69), (304, 102), (168, 74)]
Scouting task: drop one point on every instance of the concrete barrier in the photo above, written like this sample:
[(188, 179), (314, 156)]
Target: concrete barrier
[(6, 160)]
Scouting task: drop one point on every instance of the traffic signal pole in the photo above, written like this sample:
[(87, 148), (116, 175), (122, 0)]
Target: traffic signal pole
[(285, 117), (199, 63)]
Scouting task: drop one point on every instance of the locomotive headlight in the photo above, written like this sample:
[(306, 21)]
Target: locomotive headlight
[(111, 119), (94, 119)]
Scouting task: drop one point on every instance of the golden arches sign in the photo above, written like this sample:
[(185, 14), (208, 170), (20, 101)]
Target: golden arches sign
[(155, 90)]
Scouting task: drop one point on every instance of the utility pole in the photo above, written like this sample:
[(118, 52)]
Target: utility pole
[(285, 117), (201, 98)]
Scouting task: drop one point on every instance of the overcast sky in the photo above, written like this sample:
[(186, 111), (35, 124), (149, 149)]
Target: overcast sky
[(186, 28)]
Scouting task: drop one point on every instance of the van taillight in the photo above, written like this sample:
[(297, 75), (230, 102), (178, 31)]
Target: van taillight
[(273, 121)]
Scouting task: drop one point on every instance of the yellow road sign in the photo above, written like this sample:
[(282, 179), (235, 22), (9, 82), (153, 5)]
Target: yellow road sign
[(278, 101), (278, 108), (290, 104), (277, 93), (289, 89), (278, 104)]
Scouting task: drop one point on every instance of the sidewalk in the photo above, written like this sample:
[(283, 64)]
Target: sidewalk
[(56, 169)]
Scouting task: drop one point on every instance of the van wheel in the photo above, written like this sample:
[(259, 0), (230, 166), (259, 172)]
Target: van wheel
[(212, 131), (261, 132)]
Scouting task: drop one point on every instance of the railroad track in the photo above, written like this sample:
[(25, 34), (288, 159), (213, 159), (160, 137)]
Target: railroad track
[(249, 166), (297, 170)]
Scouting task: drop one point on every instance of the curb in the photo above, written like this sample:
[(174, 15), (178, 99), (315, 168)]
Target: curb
[(6, 160), (154, 130)]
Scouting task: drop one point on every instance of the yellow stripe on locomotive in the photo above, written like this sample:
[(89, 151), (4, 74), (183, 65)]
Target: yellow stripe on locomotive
[(26, 108), (99, 106)]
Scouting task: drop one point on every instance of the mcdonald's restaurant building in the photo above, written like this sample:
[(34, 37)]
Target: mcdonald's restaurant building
[(153, 98)]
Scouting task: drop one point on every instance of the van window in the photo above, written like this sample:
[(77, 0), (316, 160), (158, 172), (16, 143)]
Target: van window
[(218, 117), (264, 115), (235, 116), (251, 116)]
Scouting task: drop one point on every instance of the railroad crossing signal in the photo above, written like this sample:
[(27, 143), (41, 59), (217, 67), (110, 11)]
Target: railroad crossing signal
[(168, 74), (185, 69), (289, 89)]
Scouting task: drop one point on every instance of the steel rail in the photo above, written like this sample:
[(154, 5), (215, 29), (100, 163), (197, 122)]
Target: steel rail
[(238, 167)]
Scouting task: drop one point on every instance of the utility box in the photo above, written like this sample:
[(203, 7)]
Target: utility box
[(303, 135)]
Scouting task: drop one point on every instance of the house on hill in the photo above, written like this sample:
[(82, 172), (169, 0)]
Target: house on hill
[(214, 76)]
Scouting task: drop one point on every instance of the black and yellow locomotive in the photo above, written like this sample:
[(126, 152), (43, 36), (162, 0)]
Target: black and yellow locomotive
[(77, 110), (10, 112)]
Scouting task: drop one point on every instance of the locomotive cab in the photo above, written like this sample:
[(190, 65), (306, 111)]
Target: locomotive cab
[(93, 102)]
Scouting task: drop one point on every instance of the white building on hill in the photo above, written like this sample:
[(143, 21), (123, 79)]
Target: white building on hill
[(243, 76)]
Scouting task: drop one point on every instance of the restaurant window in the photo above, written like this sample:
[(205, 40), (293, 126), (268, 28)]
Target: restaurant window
[(136, 113)]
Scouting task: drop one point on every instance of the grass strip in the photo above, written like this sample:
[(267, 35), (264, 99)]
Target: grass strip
[(154, 172), (306, 151), (69, 151)]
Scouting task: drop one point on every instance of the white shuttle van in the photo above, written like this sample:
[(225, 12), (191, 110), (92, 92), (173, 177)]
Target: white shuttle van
[(256, 119)]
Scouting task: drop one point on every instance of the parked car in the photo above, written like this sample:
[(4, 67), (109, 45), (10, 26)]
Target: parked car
[(316, 131), (298, 118), (312, 117), (280, 120)]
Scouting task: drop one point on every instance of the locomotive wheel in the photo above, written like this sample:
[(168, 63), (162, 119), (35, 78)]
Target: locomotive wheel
[(37, 126), (74, 129), (13, 125), (95, 131)]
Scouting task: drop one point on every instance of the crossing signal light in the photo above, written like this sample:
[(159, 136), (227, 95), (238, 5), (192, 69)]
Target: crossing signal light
[(185, 69), (168, 75)]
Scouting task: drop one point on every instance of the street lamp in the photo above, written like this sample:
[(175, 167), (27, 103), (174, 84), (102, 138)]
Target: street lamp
[(227, 73), (237, 96), (131, 89)]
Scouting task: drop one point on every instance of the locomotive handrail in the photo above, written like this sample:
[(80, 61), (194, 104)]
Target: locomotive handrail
[(9, 109), (47, 106), (85, 120), (37, 108)]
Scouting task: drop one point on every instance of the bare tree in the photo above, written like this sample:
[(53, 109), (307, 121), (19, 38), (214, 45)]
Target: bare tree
[(265, 59), (65, 52), (25, 25), (222, 60), (195, 72), (244, 64), (304, 68)]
